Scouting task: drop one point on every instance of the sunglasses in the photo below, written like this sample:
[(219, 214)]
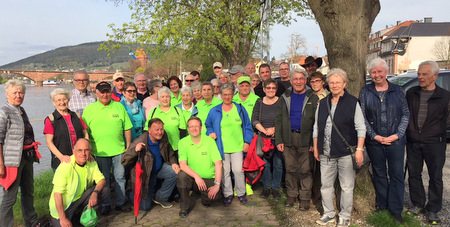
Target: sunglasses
[(189, 80), (131, 91)]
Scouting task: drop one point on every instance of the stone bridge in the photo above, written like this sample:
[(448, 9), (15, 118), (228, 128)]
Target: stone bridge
[(40, 76)]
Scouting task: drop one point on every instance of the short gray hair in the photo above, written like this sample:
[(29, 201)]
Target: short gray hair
[(14, 83), (215, 80), (137, 74), (59, 91), (433, 64), (164, 89), (152, 84), (338, 72), (81, 72), (196, 85), (302, 71), (227, 86), (186, 89), (377, 62)]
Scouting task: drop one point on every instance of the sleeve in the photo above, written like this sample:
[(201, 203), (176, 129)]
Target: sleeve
[(83, 125), (215, 153), (48, 127), (59, 179), (209, 122), (246, 126), (129, 157), (360, 126), (182, 119), (279, 121), (362, 100), (316, 124), (3, 126), (405, 116), (182, 150), (127, 124), (97, 176), (255, 114)]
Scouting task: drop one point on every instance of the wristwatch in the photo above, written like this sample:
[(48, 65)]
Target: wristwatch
[(216, 182), (96, 191)]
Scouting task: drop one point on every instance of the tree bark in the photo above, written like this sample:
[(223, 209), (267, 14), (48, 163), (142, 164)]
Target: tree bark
[(346, 26)]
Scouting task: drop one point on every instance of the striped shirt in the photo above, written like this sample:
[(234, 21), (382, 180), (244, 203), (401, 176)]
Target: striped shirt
[(423, 107), (79, 101)]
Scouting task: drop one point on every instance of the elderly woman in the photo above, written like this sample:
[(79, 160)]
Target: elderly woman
[(16, 159), (187, 107), (152, 101), (224, 77), (263, 119), (216, 84), (62, 128), (172, 117), (175, 85), (134, 109), (334, 156), (255, 80), (228, 123), (386, 116), (197, 91)]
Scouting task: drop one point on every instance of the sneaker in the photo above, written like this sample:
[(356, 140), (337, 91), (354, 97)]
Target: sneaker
[(324, 220), (289, 201), (276, 194), (227, 201), (243, 199), (343, 222), (433, 218), (414, 211), (398, 218), (163, 203), (265, 193)]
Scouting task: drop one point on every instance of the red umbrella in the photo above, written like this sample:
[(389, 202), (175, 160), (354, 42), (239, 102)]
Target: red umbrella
[(137, 187)]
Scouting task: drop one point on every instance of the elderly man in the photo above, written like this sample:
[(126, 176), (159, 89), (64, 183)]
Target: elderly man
[(158, 162), (236, 72), (81, 96), (75, 185), (265, 73), (217, 67), (201, 168), (293, 136), (108, 125), (245, 97), (189, 79), (250, 69), (118, 81), (284, 75), (426, 136), (140, 79), (312, 64)]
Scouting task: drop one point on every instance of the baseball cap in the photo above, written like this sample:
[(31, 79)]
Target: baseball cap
[(217, 65), (102, 86), (117, 76), (236, 69), (243, 79)]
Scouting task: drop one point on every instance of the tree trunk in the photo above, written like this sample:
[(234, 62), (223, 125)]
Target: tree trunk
[(346, 26)]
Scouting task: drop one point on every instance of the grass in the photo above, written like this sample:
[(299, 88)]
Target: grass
[(42, 190), (384, 219)]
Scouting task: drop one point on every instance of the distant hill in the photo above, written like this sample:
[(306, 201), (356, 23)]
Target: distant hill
[(83, 56)]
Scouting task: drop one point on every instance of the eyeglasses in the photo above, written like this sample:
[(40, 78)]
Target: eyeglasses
[(189, 80), (315, 81), (131, 91), (285, 69), (271, 88), (82, 80)]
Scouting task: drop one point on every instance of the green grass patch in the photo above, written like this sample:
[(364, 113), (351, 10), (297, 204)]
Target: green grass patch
[(42, 189), (384, 219)]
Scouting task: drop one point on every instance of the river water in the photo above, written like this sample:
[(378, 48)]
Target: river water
[(38, 106)]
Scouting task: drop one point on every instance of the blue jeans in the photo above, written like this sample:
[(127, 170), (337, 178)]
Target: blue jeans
[(105, 164), (390, 190), (170, 180), (269, 178)]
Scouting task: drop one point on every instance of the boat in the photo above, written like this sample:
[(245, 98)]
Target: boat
[(50, 83)]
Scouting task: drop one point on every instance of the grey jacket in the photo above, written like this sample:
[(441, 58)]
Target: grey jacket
[(12, 131)]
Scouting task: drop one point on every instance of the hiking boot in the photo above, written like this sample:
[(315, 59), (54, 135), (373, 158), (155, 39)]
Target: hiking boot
[(227, 201), (243, 199), (398, 218), (265, 193), (164, 204), (414, 211), (343, 222), (289, 201), (276, 194), (304, 205), (433, 218), (324, 220)]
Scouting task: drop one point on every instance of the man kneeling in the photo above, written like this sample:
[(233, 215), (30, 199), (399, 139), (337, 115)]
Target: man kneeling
[(200, 163), (74, 185)]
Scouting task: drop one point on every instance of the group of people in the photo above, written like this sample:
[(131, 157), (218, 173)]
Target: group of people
[(195, 138)]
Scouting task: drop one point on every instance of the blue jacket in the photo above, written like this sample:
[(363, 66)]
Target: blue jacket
[(397, 113), (194, 110), (214, 120), (135, 132)]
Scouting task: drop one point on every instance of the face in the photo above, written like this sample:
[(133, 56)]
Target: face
[(82, 151), (227, 96), (194, 128), (265, 73), (15, 96), (156, 88), (156, 131), (312, 67), (186, 97), (217, 70), (270, 90), (298, 82), (164, 98), (284, 71), (141, 82), (244, 88), (197, 77), (378, 75), (189, 80), (316, 84), (235, 77), (104, 97), (255, 82), (216, 88), (197, 94), (336, 84), (223, 79), (207, 92), (426, 77), (174, 86), (130, 93), (61, 102), (80, 81), (250, 69), (118, 84)]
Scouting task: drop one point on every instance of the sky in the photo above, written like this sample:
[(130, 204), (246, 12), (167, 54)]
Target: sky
[(30, 27)]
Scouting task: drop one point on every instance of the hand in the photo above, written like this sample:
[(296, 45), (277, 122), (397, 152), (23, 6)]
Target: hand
[(64, 222), (212, 191), (213, 135), (93, 200), (359, 157), (200, 183), (280, 147), (270, 132), (91, 158), (391, 138), (139, 147), (176, 168), (2, 171), (316, 154), (246, 146), (311, 149), (65, 158)]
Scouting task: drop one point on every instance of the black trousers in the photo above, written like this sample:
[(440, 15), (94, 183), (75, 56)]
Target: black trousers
[(186, 183)]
